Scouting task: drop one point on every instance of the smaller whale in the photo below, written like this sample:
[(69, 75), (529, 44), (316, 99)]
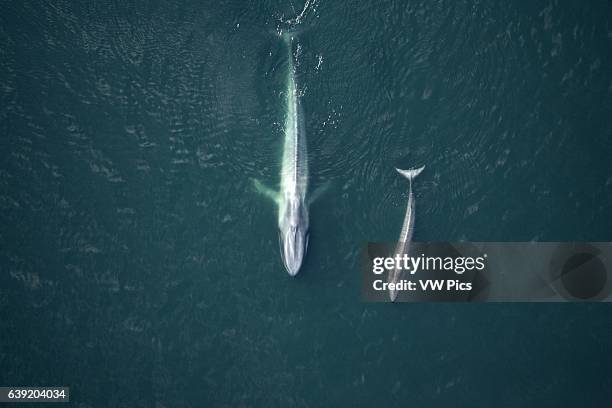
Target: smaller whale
[(403, 244)]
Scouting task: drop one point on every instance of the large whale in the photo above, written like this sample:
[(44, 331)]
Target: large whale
[(293, 220), (403, 244)]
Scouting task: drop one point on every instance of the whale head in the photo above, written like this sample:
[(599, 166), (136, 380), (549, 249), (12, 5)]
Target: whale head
[(293, 237)]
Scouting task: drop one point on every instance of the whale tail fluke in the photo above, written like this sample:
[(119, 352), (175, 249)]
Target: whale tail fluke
[(410, 174), (290, 34)]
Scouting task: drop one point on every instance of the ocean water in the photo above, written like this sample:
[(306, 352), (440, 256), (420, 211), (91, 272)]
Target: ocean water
[(139, 267)]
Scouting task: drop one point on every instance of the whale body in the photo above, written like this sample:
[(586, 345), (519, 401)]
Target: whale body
[(403, 244), (293, 221)]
